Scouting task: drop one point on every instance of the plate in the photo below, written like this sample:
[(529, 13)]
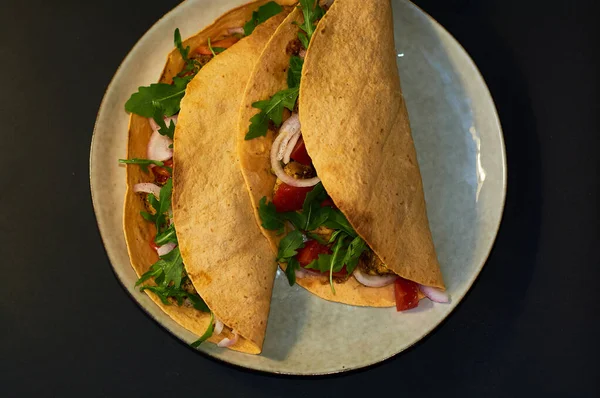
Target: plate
[(461, 153)]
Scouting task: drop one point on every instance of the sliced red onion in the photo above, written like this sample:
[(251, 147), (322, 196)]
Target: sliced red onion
[(159, 147), (228, 342), (147, 187), (218, 327), (232, 31), (302, 53), (303, 273), (373, 280), (435, 294), (289, 129), (290, 148), (285, 134), (166, 248)]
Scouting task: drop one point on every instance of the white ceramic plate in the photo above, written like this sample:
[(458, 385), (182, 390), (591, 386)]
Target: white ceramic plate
[(461, 153)]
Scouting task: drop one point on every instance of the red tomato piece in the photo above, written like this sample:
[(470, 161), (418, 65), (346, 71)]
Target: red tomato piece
[(223, 43), (406, 294), (289, 198), (161, 175), (153, 244), (311, 251), (299, 153)]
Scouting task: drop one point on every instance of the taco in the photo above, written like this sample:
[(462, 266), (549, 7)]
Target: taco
[(327, 154), (205, 292)]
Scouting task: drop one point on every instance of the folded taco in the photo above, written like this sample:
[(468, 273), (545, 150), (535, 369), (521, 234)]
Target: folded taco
[(196, 279), (327, 154)]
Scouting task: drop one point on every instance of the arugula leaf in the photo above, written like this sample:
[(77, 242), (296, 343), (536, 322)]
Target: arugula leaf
[(337, 220), (290, 270), (161, 96), (144, 163), (321, 264), (337, 259), (198, 303), (289, 245), (334, 235), (169, 130), (298, 220), (312, 12), (215, 50), (192, 66), (207, 334), (168, 269), (259, 16), (313, 212), (355, 250), (169, 235), (270, 218), (271, 109), (295, 71)]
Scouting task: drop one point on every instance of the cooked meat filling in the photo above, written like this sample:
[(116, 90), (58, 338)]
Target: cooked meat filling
[(370, 264)]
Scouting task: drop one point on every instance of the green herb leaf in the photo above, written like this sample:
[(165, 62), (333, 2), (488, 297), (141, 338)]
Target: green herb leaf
[(192, 66), (158, 96), (270, 218), (215, 50), (198, 303), (295, 71), (290, 270), (167, 271), (261, 15), (207, 334), (169, 235), (162, 205), (271, 109), (298, 220), (312, 12), (313, 212), (337, 220), (337, 259), (169, 130), (289, 245), (318, 238), (143, 163), (355, 250)]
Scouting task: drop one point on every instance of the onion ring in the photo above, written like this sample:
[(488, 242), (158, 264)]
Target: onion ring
[(147, 187), (374, 281), (218, 327), (228, 342), (434, 294), (166, 248)]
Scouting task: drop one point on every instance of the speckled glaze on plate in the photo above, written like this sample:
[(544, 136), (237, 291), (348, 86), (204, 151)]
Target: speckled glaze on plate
[(461, 153)]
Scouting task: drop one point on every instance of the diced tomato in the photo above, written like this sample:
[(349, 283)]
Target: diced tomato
[(406, 294), (311, 251), (224, 43), (153, 244), (289, 198), (299, 153), (161, 175)]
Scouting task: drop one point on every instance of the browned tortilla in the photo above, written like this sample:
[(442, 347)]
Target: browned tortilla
[(250, 320), (356, 130)]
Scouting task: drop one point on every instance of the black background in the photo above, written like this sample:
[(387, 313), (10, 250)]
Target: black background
[(528, 326)]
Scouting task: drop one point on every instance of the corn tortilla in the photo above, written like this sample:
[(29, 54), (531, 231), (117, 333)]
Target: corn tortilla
[(356, 130), (251, 323)]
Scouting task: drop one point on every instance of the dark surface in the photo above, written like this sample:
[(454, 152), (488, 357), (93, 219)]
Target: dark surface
[(527, 327)]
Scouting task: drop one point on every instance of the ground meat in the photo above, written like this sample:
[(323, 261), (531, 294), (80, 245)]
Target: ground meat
[(201, 58), (323, 232), (294, 47), (370, 264)]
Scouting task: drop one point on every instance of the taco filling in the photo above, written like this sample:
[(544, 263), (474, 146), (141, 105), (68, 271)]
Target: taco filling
[(315, 239), (160, 103)]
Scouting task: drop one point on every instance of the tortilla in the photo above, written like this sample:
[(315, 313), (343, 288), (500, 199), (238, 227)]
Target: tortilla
[(356, 130), (227, 306)]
